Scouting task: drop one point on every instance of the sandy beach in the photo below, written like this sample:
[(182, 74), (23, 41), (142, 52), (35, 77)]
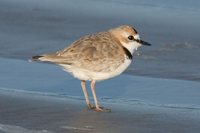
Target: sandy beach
[(25, 113)]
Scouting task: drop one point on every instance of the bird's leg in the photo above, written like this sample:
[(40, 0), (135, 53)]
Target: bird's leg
[(98, 108), (94, 94), (86, 95)]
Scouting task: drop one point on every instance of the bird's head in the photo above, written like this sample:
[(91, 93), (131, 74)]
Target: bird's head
[(128, 37)]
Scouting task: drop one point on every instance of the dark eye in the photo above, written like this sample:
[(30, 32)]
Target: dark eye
[(130, 37)]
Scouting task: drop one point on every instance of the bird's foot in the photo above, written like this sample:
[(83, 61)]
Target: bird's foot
[(102, 109), (90, 106), (98, 109)]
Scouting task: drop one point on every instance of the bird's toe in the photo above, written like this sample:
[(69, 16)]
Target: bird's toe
[(102, 109)]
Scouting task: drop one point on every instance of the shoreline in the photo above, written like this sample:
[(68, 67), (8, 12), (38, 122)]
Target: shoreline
[(33, 113), (121, 102)]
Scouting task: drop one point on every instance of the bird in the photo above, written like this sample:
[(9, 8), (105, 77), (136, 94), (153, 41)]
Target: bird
[(97, 57)]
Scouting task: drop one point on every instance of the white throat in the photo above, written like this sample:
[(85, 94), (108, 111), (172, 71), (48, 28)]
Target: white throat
[(131, 46)]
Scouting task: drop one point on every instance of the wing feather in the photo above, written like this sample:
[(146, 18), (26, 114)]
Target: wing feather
[(99, 50)]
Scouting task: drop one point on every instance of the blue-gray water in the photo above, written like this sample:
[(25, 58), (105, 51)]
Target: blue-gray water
[(32, 27)]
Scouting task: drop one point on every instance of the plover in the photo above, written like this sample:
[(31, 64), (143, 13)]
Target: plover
[(97, 57)]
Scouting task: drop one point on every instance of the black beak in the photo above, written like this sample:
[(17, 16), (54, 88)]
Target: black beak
[(143, 42)]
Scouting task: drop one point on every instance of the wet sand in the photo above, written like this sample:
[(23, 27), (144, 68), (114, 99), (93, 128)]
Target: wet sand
[(38, 114)]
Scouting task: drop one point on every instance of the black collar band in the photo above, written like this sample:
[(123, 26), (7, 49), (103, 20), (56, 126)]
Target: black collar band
[(127, 52)]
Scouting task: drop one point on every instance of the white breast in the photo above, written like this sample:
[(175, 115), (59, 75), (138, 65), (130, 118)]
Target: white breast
[(84, 74)]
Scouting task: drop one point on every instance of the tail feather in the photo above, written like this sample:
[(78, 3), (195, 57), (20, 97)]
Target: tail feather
[(52, 58), (37, 57), (47, 58)]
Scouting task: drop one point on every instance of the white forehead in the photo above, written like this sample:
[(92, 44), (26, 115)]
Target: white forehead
[(137, 37)]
